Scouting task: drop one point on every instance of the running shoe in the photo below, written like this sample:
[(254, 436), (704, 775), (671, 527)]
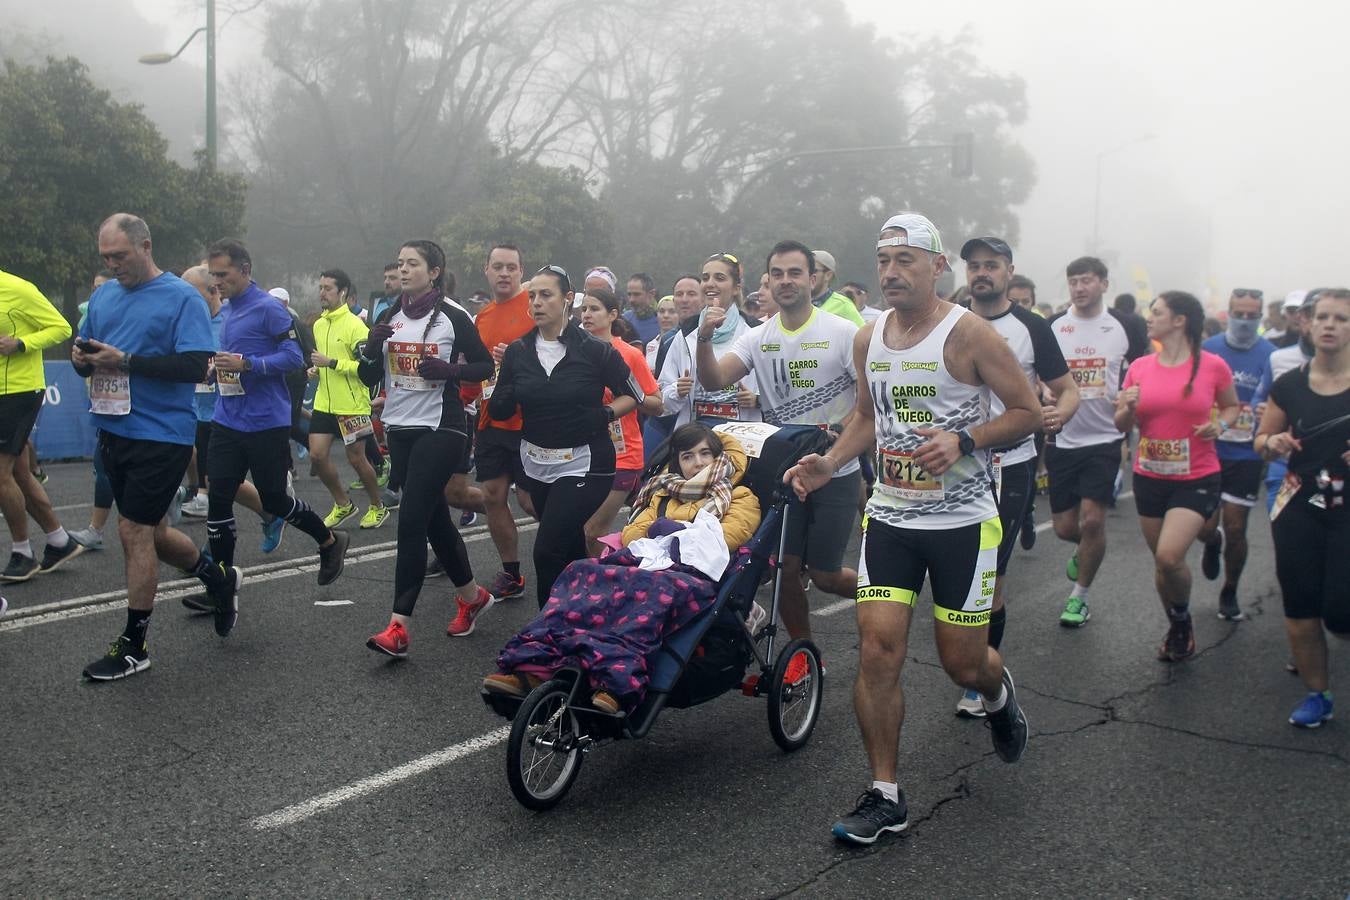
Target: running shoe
[(225, 600), (4, 606), (1228, 606), (1008, 727), (382, 479), (871, 818), (121, 661), (467, 617), (1076, 613), (1071, 570), (197, 507), (54, 558), (605, 702), (797, 669), (467, 518), (390, 499), (511, 684), (333, 557), (393, 641), (1179, 643), (88, 538), (356, 485), (434, 567), (175, 512), (758, 618), (969, 706), (1028, 535), (504, 587), (41, 475), (1211, 557), (339, 515), (375, 517), (20, 568), (1313, 711), (272, 533)]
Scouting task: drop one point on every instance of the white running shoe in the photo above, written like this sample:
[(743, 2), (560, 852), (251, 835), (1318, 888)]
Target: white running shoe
[(196, 508), (969, 706)]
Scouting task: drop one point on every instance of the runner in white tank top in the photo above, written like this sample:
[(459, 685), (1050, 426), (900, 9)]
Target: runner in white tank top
[(928, 370)]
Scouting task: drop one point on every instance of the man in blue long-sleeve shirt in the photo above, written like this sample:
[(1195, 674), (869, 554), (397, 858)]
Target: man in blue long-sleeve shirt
[(258, 346)]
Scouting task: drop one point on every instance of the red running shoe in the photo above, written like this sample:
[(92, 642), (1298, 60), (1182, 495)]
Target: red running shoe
[(462, 626), (393, 641)]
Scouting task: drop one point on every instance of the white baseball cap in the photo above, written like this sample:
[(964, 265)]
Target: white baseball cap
[(919, 232), (281, 294), (1294, 299), (824, 258)]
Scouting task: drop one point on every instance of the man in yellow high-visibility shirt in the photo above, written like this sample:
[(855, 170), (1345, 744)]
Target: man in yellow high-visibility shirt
[(29, 324)]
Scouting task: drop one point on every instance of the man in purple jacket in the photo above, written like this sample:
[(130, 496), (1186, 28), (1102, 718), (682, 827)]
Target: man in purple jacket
[(258, 346)]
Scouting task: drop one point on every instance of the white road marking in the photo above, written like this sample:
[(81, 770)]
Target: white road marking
[(333, 603), (835, 608), (109, 601), (324, 802)]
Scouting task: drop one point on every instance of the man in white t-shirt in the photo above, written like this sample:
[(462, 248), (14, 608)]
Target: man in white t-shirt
[(802, 359), (1085, 457)]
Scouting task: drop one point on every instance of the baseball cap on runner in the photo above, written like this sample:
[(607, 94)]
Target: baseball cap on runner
[(994, 245), (1294, 299), (281, 294), (919, 232), (824, 258)]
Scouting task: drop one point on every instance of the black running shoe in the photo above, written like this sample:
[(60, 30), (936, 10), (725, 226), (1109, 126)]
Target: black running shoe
[(53, 557), (1209, 560), (1179, 644), (873, 817), (121, 661), (1008, 726), (1228, 606), (333, 557), (225, 600), (20, 568), (1029, 531)]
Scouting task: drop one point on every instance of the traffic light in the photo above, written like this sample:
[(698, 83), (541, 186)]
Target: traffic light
[(963, 154)]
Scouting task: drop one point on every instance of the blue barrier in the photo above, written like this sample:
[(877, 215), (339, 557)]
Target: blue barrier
[(64, 429)]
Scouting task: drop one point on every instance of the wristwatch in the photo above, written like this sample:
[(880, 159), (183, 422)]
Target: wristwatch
[(609, 413), (965, 443)]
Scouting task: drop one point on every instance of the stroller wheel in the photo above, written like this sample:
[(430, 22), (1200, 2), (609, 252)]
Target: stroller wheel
[(794, 706), (543, 755)]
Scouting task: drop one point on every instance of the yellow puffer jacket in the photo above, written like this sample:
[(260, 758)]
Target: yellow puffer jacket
[(742, 516)]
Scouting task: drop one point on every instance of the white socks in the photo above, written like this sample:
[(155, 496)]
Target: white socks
[(58, 538), (23, 548), (1078, 591), (998, 704), (889, 789)]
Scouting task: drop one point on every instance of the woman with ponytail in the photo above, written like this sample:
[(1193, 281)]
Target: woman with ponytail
[(1172, 396), (422, 347)]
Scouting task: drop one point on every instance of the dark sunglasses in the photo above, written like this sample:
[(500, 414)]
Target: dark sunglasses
[(566, 281), (1248, 292)]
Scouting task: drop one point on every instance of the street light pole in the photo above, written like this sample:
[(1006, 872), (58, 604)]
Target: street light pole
[(159, 59), (1097, 194)]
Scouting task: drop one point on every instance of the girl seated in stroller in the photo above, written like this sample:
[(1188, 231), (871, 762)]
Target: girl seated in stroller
[(605, 616)]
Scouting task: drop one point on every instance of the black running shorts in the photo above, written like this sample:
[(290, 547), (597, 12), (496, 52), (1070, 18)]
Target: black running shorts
[(1082, 473), (18, 414), (266, 455), (962, 563), (1240, 480), (1153, 497), (144, 475)]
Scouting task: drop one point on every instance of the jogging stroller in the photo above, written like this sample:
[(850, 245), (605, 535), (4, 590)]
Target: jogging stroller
[(554, 726)]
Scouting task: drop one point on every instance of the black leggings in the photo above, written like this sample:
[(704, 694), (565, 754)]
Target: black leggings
[(373, 455), (1312, 564), (422, 461), (563, 507), (235, 454)]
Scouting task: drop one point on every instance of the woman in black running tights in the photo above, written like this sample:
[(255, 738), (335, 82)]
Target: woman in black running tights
[(416, 348), (557, 375), (1308, 417)]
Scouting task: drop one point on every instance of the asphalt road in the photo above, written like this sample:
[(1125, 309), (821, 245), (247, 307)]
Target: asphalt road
[(289, 760)]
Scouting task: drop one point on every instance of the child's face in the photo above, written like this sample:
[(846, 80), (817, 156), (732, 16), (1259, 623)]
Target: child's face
[(696, 459)]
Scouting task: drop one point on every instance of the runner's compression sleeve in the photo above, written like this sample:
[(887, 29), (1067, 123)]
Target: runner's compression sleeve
[(189, 367)]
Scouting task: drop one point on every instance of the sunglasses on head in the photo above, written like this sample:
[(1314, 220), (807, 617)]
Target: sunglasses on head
[(1248, 292), (562, 276), (724, 256)]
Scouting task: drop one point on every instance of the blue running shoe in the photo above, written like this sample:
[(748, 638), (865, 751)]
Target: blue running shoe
[(1313, 711), (272, 532)]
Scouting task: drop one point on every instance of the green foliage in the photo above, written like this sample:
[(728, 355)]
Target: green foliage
[(70, 156)]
